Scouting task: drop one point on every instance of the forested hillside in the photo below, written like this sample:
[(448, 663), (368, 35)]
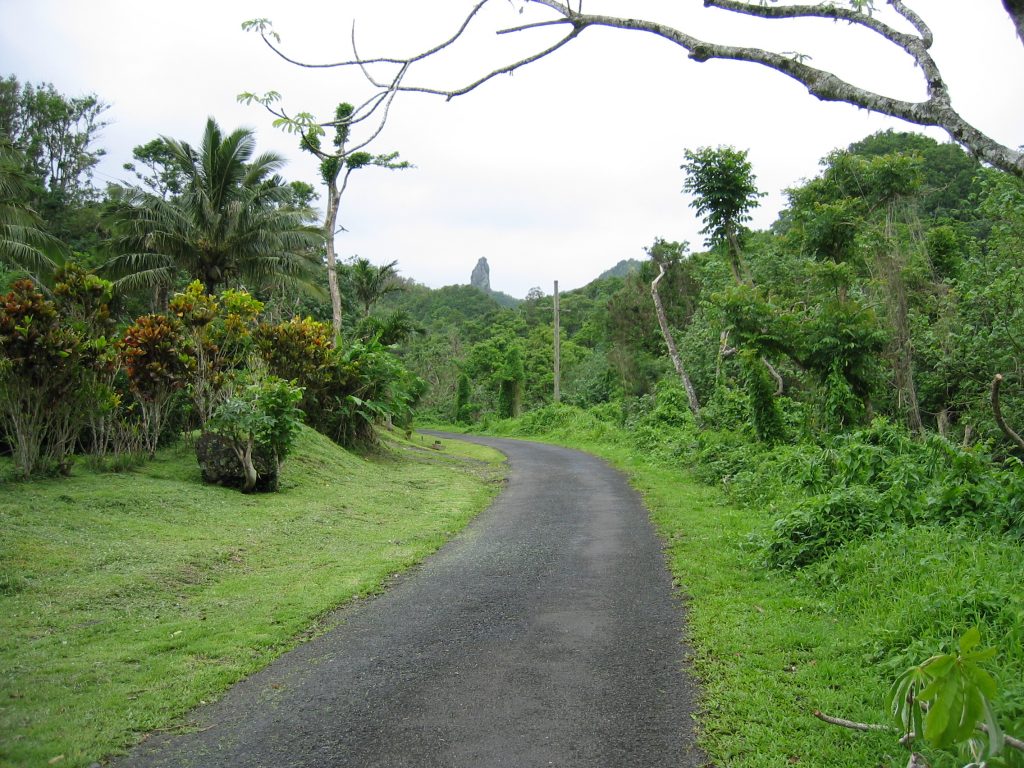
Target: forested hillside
[(887, 288), (851, 377)]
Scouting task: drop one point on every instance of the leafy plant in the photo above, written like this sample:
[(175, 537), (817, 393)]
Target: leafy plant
[(262, 414), (220, 339), (46, 385), (946, 701), (156, 362)]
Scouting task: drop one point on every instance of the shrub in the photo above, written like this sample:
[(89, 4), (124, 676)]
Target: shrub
[(347, 391), (46, 382), (157, 363), (220, 339), (260, 418)]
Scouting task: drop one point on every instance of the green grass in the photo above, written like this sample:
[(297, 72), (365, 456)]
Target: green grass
[(127, 599), (772, 646), (768, 649)]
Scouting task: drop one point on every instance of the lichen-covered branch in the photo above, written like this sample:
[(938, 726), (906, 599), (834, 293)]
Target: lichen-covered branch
[(1016, 10), (936, 110)]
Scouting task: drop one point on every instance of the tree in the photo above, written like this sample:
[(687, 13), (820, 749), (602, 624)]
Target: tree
[(159, 173), (885, 23), (335, 166), (664, 253), (233, 224), (55, 135), (335, 169), (370, 283), (23, 244), (723, 186)]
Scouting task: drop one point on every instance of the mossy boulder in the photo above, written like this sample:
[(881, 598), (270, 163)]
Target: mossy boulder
[(221, 466)]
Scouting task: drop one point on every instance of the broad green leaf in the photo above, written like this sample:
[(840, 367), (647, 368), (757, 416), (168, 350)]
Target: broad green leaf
[(970, 640), (937, 721)]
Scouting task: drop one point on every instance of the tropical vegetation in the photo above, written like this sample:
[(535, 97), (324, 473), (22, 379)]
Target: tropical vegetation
[(847, 384)]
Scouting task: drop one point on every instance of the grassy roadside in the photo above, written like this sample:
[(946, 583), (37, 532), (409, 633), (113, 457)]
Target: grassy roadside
[(770, 647), (126, 599)]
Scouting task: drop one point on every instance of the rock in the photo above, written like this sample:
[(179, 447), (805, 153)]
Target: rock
[(220, 464), (481, 277)]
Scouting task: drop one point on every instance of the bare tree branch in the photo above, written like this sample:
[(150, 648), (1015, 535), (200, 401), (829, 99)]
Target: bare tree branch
[(506, 70), (923, 29), (998, 412), (907, 738), (936, 110), (852, 725)]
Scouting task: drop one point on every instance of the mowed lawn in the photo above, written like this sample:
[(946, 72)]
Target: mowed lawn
[(128, 598)]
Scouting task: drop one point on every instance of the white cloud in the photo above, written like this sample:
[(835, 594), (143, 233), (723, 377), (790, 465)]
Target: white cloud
[(556, 172)]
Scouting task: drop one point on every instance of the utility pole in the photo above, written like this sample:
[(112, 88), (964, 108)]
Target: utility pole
[(558, 349)]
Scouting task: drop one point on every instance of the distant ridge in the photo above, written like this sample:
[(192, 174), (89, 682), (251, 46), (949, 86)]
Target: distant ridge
[(623, 268)]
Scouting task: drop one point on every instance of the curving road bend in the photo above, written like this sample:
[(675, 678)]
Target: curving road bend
[(546, 634)]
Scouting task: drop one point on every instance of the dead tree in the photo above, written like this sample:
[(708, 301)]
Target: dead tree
[(670, 342)]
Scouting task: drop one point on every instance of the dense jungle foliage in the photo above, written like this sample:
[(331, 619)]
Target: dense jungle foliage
[(855, 370), (193, 299)]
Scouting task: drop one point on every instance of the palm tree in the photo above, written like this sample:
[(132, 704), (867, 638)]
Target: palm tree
[(370, 283), (23, 246), (233, 224)]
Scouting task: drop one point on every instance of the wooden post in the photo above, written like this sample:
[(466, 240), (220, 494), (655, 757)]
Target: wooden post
[(558, 349)]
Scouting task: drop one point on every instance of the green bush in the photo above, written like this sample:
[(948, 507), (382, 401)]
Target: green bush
[(259, 417), (47, 384), (346, 391), (867, 482)]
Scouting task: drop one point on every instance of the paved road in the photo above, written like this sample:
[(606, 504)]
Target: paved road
[(545, 635)]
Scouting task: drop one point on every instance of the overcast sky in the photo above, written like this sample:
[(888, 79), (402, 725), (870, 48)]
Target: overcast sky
[(555, 173)]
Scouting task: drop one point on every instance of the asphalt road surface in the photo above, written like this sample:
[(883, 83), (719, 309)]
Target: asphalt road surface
[(546, 634)]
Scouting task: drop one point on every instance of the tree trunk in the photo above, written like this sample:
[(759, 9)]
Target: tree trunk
[(891, 264), (735, 257), (670, 342), (780, 386), (330, 225), (997, 411), (244, 454)]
